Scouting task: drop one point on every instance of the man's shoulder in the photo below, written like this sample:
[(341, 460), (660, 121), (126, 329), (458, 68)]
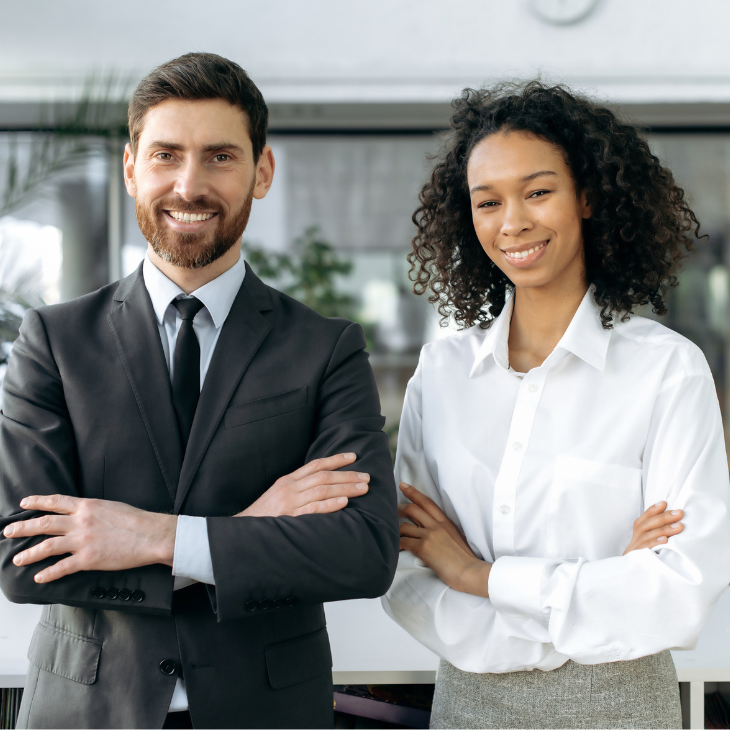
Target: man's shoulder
[(67, 315)]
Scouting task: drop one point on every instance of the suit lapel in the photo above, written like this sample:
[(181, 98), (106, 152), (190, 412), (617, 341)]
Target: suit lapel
[(134, 327), (242, 334)]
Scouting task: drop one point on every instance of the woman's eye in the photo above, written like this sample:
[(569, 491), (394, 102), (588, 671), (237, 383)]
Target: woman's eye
[(487, 204), (539, 193)]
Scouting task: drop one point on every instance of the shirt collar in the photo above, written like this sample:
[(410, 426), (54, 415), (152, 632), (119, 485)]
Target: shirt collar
[(585, 338), (217, 295)]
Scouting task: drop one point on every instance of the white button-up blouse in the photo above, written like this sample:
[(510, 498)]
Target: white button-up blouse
[(545, 475)]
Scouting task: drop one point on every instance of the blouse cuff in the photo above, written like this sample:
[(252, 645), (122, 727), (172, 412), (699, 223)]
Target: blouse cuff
[(192, 557), (514, 586)]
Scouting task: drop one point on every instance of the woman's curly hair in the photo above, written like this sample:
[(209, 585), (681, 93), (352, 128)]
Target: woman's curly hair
[(640, 229)]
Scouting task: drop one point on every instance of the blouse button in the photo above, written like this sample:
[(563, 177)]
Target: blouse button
[(516, 445), (504, 509), (532, 387)]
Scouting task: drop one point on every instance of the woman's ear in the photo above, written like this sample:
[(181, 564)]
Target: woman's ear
[(587, 210)]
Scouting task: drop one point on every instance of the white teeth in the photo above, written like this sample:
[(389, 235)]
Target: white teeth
[(524, 254), (190, 217)]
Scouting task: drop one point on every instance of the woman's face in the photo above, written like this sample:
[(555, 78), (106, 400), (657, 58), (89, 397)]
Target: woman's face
[(526, 210)]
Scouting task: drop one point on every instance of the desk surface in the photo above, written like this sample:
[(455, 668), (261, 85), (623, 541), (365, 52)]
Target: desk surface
[(365, 641)]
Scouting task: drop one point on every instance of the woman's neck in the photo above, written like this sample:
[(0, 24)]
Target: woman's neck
[(539, 319)]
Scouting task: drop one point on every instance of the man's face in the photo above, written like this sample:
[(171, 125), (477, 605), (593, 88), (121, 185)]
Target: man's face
[(193, 179)]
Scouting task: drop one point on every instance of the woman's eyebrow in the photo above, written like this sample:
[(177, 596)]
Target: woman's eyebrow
[(526, 178), (541, 173)]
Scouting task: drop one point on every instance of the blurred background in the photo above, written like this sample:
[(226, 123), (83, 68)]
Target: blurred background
[(359, 98)]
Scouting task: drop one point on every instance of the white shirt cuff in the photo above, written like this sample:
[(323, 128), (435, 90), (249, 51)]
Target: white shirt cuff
[(192, 558), (515, 586)]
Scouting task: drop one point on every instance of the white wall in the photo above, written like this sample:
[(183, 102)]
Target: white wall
[(381, 50)]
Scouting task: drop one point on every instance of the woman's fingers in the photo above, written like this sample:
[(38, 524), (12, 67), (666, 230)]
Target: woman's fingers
[(409, 530), (656, 522), (661, 535), (424, 502), (416, 514)]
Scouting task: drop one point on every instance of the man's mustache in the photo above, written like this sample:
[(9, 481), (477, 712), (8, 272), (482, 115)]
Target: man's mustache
[(199, 206)]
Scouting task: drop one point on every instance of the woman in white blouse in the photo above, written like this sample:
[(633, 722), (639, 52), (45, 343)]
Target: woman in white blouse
[(535, 438)]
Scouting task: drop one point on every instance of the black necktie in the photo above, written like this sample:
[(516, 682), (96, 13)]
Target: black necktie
[(186, 368)]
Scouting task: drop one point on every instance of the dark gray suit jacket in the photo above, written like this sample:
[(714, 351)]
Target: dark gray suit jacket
[(88, 412)]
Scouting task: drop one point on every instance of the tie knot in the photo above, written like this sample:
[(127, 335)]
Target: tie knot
[(188, 308)]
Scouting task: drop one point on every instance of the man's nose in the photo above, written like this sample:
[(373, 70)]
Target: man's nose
[(516, 219), (192, 181)]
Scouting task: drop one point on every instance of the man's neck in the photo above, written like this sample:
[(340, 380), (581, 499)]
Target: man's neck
[(189, 280)]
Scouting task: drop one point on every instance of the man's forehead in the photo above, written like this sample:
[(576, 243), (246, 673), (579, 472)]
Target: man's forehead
[(201, 124)]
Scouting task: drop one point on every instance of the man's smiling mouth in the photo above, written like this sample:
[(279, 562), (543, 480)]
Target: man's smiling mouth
[(189, 217)]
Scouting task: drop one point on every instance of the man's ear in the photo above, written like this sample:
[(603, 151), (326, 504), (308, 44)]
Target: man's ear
[(264, 173), (129, 170)]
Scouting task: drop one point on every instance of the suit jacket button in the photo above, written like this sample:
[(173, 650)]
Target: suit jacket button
[(277, 603), (124, 594), (112, 593), (168, 667), (138, 596), (265, 605), (98, 592), (251, 605), (292, 601)]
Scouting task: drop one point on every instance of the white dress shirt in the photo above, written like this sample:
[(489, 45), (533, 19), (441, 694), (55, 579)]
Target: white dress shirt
[(192, 560), (545, 473)]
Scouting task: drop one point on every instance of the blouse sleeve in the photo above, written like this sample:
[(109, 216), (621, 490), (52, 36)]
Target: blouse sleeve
[(648, 600), (450, 623)]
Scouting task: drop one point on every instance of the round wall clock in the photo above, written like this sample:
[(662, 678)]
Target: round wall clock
[(562, 12)]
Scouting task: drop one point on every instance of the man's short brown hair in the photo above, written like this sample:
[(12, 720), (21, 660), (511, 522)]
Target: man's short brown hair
[(198, 76)]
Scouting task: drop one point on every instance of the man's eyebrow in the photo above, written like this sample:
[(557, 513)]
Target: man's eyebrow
[(162, 144), (526, 178)]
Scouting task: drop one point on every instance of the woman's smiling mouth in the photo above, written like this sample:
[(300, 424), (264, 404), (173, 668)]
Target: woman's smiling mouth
[(526, 255)]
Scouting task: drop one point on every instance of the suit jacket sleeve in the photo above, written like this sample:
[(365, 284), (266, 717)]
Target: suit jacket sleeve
[(316, 558), (38, 456)]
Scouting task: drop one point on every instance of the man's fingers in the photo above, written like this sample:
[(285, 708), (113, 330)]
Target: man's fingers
[(322, 478), (328, 463), (44, 525), (331, 491), (67, 566), (320, 508), (45, 549), (61, 503)]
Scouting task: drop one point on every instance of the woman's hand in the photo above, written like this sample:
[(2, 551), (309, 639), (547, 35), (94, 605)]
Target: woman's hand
[(436, 540), (655, 527)]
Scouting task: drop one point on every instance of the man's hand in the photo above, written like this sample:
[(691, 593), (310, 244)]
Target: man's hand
[(655, 527), (99, 535), (314, 489), (436, 540)]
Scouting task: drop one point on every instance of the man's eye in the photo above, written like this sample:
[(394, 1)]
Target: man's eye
[(222, 158), (164, 156)]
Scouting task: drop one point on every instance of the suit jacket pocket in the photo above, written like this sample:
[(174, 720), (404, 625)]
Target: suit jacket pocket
[(273, 405), (297, 660), (65, 654)]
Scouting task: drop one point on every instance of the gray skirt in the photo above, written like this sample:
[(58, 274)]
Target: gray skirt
[(642, 693)]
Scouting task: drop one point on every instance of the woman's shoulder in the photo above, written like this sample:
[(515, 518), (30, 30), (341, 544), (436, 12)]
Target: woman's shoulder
[(642, 334), (454, 347)]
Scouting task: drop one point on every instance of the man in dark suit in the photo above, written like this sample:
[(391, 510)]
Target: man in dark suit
[(191, 462)]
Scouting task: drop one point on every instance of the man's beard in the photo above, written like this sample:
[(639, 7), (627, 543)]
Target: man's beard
[(192, 250)]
